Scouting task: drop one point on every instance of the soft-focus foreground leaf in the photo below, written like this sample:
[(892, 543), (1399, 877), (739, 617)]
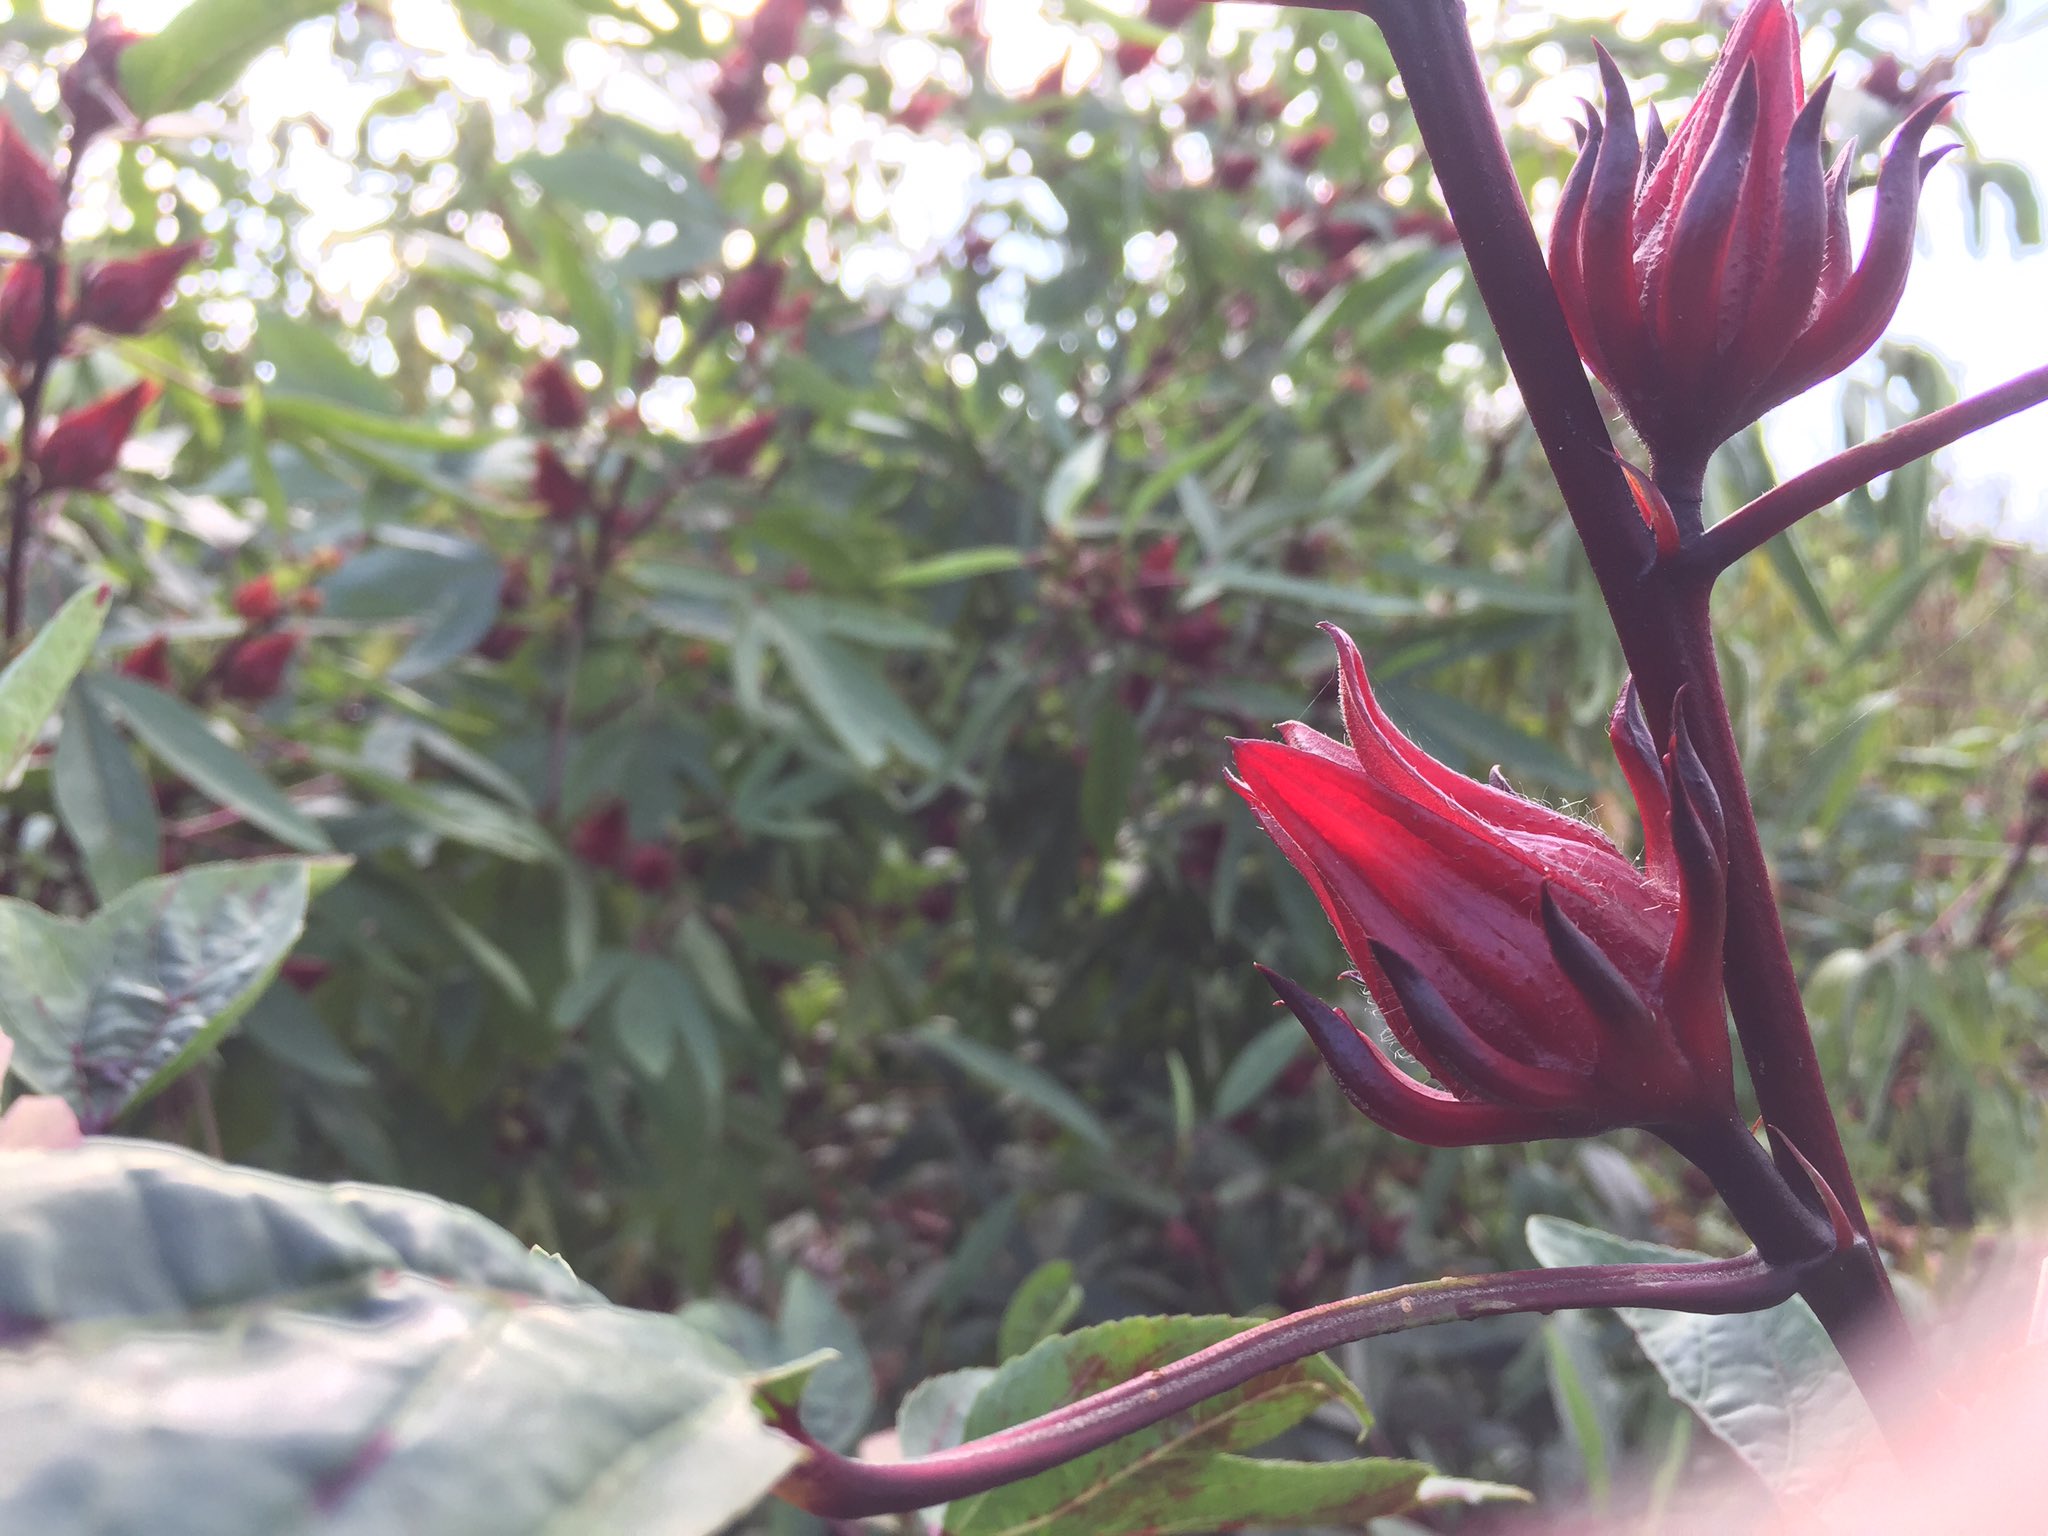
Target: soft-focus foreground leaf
[(103, 799), (107, 1011), (200, 1350), (204, 49), (1769, 1383), (1044, 1304), (33, 685), (1006, 1074), (1182, 1474)]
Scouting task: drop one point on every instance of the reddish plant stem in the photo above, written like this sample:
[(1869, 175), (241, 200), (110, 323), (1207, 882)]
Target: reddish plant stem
[(1660, 615), (1755, 525), (834, 1485)]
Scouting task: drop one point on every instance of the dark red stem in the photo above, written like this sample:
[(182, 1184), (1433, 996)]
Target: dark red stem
[(830, 1484), (1779, 508)]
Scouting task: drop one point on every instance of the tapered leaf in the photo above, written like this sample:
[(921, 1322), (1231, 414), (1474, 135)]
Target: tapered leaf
[(103, 800), (204, 49), (34, 683)]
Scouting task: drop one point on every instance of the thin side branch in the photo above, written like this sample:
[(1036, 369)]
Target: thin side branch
[(1755, 525), (841, 1487)]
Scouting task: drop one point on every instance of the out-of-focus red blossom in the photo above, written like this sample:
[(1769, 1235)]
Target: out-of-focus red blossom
[(31, 204), (1050, 86), (937, 903), (257, 602), (91, 88), (21, 312), (734, 452), (772, 34), (309, 599), (1133, 54), (1195, 639), (1886, 81), (600, 837), (501, 642), (923, 109), (255, 670), (1199, 106), (975, 247), (1169, 14), (559, 489), (1708, 278), (124, 297), (553, 400), (792, 314), (1200, 849), (149, 662), (1340, 237), (1235, 169), (1305, 149), (515, 586), (749, 295), (1434, 227), (739, 92), (652, 867), (85, 444), (1184, 1242), (305, 972), (1550, 985)]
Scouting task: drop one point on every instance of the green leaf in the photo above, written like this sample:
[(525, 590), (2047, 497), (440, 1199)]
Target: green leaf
[(1072, 479), (1044, 1304), (161, 1304), (934, 1412), (35, 681), (103, 800), (1007, 1075), (1141, 1482), (172, 732), (839, 1398), (454, 813), (589, 989), (854, 701), (446, 594), (956, 565), (711, 965), (1257, 1067), (1114, 748), (1321, 598), (108, 1011), (204, 49), (1768, 1383), (655, 1009)]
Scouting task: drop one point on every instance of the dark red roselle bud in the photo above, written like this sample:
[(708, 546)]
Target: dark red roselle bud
[(1550, 985), (734, 452), (31, 203), (739, 92), (255, 669), (599, 838), (149, 662), (91, 88), (773, 33), (1306, 149), (1235, 170), (22, 293), (124, 297), (749, 295), (305, 972), (1708, 278), (257, 602), (652, 867), (501, 642), (553, 399), (1169, 14), (86, 443), (922, 110), (558, 488), (1133, 54)]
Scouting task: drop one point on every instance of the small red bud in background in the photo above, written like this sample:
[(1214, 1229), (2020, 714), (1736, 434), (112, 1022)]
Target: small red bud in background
[(31, 205), (553, 399), (772, 35), (1199, 106), (309, 599), (749, 295), (1435, 227), (975, 248), (556, 487), (918, 113), (305, 972), (1184, 1242), (515, 586), (1306, 149), (256, 600), (1170, 13), (1133, 55), (501, 642), (793, 315), (149, 662), (734, 452), (1337, 238), (21, 312), (739, 92), (91, 88), (599, 838), (651, 867), (1235, 170), (86, 443), (1051, 85), (123, 297), (1194, 639), (256, 669)]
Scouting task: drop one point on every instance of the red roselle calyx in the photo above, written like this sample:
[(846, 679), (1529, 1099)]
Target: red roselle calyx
[(124, 297), (734, 452), (560, 490), (1708, 278), (21, 312), (256, 669), (553, 399), (85, 444), (91, 88), (1550, 985), (31, 204)]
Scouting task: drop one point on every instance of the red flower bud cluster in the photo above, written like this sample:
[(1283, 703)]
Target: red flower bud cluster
[(554, 401), (562, 493), (1551, 986), (257, 601), (603, 838), (501, 642), (149, 662), (83, 445), (734, 452), (749, 295), (1708, 277), (255, 668)]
